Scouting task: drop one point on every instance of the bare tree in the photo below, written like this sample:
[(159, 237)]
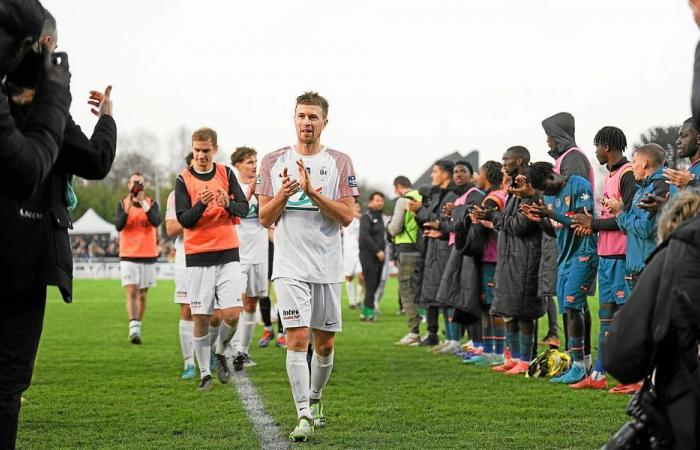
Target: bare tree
[(665, 137)]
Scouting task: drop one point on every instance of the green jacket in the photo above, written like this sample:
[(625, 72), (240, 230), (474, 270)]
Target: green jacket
[(409, 235)]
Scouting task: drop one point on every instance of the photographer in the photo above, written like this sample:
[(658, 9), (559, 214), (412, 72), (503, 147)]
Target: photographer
[(27, 156), (137, 220), (657, 333)]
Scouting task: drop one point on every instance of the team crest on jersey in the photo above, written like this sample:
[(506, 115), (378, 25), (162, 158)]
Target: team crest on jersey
[(258, 179), (323, 173), (567, 201), (352, 181), (557, 203)]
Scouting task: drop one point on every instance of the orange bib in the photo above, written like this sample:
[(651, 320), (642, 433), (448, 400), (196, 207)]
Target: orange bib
[(215, 230), (138, 238)]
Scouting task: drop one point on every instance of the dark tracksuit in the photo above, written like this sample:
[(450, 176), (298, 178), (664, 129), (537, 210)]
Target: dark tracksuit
[(34, 240), (372, 241)]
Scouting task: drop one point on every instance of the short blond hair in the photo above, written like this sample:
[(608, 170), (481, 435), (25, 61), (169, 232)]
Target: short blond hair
[(205, 134), (679, 208)]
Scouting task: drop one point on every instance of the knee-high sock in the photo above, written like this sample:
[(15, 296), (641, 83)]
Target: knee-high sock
[(225, 335), (513, 338), (588, 327), (202, 350), (246, 326), (528, 333), (489, 338), (350, 286), (321, 368), (359, 294), (265, 312), (605, 314), (186, 341), (298, 374), (499, 335), (576, 334), (213, 336)]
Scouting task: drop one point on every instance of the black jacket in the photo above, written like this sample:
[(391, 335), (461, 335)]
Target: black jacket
[(37, 249), (372, 233), (663, 314)]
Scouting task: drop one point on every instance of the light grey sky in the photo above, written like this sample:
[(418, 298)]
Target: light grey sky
[(407, 81)]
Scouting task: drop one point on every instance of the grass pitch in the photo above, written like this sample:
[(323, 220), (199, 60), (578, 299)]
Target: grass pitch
[(92, 389)]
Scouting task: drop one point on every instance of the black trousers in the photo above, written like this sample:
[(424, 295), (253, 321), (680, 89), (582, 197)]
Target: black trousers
[(20, 330), (372, 271)]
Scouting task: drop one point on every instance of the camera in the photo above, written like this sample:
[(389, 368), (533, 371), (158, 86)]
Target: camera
[(649, 428)]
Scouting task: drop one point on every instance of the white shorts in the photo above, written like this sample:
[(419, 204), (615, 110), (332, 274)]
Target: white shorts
[(214, 287), (142, 275), (302, 304), (255, 279), (352, 266), (181, 287)]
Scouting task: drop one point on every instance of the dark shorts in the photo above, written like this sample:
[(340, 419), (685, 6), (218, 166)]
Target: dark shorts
[(576, 282), (488, 275), (611, 281)]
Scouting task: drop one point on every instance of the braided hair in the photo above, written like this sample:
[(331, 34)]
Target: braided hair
[(613, 137)]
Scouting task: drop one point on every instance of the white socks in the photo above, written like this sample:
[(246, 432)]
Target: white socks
[(187, 341), (246, 325), (134, 328), (213, 335), (202, 350), (298, 373), (350, 286), (224, 336), (321, 368)]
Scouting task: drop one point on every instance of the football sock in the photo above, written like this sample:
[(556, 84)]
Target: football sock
[(134, 327), (202, 350), (350, 286), (247, 325), (526, 343), (298, 374), (321, 368), (576, 348), (213, 335), (513, 339), (186, 341), (265, 312), (499, 335), (224, 336)]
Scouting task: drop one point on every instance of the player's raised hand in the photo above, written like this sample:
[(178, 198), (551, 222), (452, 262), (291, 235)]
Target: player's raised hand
[(680, 178), (222, 198), (289, 186), (531, 212), (304, 178), (613, 205), (101, 101)]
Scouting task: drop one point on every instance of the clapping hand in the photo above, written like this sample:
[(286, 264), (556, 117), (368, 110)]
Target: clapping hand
[(103, 102)]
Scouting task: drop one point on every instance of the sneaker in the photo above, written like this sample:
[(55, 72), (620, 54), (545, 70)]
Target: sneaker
[(135, 339), (205, 384), (430, 340), (439, 347), (281, 341), (247, 362), (317, 411), (450, 348), (506, 366), (519, 368), (409, 339), (222, 372), (266, 338), (188, 373), (498, 360), (303, 431), (626, 388), (238, 362), (480, 360), (572, 376), (590, 383)]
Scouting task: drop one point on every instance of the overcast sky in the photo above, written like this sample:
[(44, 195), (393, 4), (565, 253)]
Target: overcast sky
[(407, 81)]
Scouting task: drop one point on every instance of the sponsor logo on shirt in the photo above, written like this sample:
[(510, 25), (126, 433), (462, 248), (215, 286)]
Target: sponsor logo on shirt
[(352, 181), (304, 201), (31, 215)]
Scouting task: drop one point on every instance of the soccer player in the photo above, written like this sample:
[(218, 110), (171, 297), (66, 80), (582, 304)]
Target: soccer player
[(405, 231), (137, 220), (578, 259), (309, 191), (253, 250), (351, 259), (490, 181), (613, 291), (209, 202), (519, 250), (186, 327), (639, 223), (372, 255), (688, 144)]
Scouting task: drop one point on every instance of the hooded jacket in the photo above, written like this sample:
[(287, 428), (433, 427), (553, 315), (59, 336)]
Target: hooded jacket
[(640, 225), (561, 128)]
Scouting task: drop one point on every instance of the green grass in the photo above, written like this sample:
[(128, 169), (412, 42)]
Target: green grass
[(92, 389)]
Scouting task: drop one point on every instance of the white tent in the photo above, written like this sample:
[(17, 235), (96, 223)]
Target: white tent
[(92, 223)]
